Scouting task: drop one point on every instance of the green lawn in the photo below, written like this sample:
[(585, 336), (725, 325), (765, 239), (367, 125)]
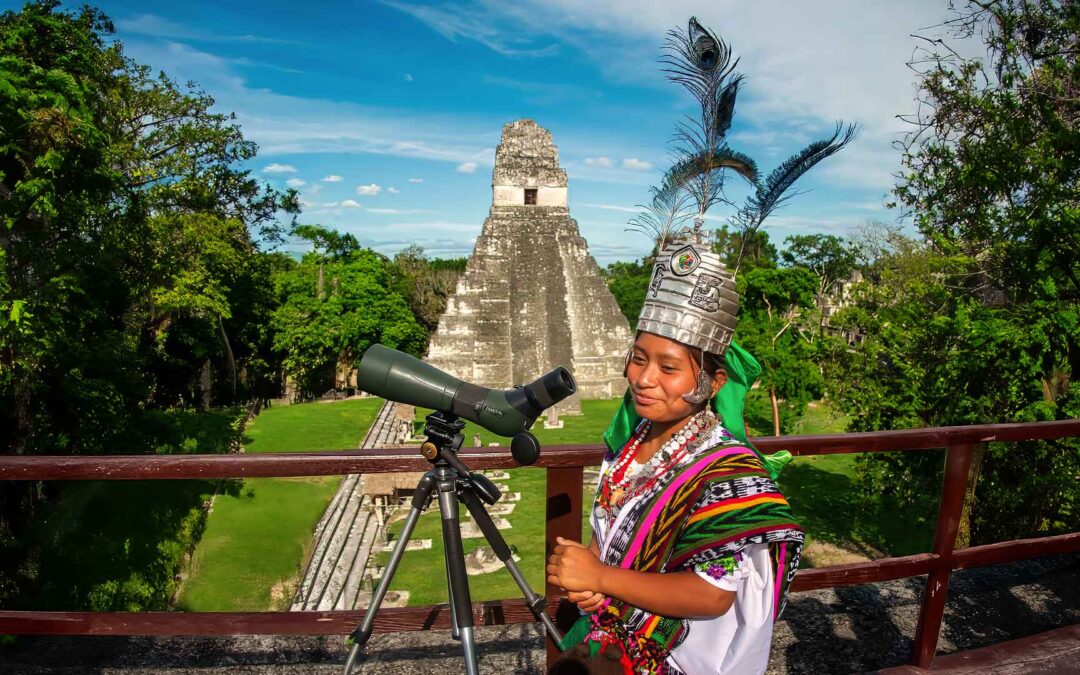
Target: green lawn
[(259, 533), (309, 427)]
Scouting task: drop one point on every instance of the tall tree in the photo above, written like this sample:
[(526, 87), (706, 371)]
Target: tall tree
[(319, 332), (127, 235), (828, 256), (982, 325)]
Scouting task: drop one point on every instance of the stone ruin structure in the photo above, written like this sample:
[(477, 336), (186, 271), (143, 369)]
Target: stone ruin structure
[(532, 297)]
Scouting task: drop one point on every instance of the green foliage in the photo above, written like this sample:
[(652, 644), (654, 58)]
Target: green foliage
[(127, 255), (754, 248), (773, 327), (830, 257), (426, 284), (980, 323), (628, 282), (332, 311), (119, 545)]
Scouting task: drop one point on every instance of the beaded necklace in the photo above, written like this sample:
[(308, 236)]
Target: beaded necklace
[(625, 478)]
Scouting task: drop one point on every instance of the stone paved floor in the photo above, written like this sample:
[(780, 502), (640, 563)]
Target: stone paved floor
[(855, 629)]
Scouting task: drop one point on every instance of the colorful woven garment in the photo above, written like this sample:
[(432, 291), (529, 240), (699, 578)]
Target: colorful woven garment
[(698, 516)]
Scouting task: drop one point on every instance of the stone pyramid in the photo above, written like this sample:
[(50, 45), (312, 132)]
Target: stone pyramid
[(532, 297)]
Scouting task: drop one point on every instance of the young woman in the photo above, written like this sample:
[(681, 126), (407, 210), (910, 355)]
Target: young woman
[(693, 545)]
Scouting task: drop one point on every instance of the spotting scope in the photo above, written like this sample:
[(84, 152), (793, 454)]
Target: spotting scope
[(403, 378)]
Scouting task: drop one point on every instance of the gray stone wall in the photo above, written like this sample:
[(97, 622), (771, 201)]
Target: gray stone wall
[(532, 297)]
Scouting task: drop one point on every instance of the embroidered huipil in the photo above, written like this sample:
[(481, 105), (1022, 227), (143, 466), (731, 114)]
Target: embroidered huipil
[(718, 514)]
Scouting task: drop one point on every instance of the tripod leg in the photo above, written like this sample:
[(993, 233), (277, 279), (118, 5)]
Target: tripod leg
[(455, 630), (537, 603), (461, 602), (360, 636)]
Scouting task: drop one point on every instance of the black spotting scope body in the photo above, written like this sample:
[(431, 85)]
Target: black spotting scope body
[(403, 378)]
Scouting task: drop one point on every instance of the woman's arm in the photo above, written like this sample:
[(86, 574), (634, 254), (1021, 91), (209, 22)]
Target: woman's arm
[(588, 601), (674, 594)]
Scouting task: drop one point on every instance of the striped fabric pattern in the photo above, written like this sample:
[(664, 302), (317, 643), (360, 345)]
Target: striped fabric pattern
[(717, 502)]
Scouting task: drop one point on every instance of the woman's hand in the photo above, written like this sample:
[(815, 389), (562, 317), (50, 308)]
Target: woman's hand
[(586, 601), (574, 567)]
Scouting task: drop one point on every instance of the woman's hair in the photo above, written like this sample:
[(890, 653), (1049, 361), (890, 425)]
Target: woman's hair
[(714, 363)]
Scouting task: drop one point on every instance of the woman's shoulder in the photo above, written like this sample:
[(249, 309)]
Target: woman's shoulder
[(722, 453)]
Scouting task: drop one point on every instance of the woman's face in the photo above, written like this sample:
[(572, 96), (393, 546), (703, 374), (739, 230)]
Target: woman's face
[(660, 371)]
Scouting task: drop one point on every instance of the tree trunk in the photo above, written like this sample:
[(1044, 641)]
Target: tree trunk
[(775, 411), (229, 355), (963, 533)]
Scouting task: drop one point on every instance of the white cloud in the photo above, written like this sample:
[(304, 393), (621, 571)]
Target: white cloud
[(602, 162), (306, 204), (332, 179), (467, 167), (329, 205), (635, 164), (296, 182), (150, 24), (283, 124), (397, 211), (392, 190), (453, 22), (350, 204), (279, 168), (416, 180), (371, 189), (408, 77), (612, 207)]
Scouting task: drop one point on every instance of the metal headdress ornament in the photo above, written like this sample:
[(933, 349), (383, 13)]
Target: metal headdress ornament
[(692, 299)]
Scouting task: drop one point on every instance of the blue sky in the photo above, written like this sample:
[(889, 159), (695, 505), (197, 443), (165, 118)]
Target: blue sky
[(385, 114)]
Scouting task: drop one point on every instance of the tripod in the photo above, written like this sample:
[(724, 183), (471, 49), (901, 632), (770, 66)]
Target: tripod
[(452, 481)]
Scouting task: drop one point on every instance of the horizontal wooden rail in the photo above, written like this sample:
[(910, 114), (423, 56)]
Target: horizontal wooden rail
[(338, 622), (383, 460), (564, 492), (852, 574), (1018, 549)]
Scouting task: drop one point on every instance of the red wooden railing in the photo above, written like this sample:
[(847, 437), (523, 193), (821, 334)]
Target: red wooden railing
[(564, 466)]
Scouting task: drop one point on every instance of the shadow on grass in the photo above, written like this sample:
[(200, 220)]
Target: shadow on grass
[(192, 431), (116, 545), (831, 508)]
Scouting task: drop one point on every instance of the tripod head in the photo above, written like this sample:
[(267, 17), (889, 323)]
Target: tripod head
[(444, 439)]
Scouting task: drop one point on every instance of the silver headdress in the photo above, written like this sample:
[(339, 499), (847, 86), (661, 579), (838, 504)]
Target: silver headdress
[(691, 299)]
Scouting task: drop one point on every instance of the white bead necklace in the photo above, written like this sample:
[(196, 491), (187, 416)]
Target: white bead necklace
[(670, 449)]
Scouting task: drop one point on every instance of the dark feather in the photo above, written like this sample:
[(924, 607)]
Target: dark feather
[(774, 191), (725, 105), (723, 157)]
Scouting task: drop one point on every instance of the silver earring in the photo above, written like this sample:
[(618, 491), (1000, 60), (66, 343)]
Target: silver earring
[(702, 391)]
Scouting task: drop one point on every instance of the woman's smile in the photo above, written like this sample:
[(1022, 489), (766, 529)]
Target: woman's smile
[(643, 400)]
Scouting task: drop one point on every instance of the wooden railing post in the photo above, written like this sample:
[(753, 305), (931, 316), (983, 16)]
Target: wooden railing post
[(564, 490), (953, 488)]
